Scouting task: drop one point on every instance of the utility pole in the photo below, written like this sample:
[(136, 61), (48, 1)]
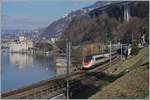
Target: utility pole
[(110, 53), (121, 51), (102, 50), (68, 66)]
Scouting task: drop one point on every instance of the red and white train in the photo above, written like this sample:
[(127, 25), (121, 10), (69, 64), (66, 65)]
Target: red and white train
[(91, 61)]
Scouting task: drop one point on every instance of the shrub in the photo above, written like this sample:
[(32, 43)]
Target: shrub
[(135, 49)]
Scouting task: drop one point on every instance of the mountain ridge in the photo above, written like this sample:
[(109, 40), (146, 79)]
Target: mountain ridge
[(56, 28)]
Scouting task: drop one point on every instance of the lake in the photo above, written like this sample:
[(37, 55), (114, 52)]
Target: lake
[(19, 70)]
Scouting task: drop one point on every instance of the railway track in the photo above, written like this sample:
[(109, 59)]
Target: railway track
[(98, 69), (82, 75)]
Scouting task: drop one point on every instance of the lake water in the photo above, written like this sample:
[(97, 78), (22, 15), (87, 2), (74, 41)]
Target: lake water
[(19, 70)]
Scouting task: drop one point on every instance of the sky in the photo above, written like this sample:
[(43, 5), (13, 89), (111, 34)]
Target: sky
[(29, 15)]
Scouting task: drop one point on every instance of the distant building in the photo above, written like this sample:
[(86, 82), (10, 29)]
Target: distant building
[(53, 40), (22, 38), (143, 39), (21, 45), (61, 61), (5, 43), (142, 42)]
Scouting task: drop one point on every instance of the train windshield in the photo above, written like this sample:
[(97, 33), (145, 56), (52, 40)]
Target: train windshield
[(88, 57)]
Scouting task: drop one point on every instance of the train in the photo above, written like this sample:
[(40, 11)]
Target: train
[(91, 61)]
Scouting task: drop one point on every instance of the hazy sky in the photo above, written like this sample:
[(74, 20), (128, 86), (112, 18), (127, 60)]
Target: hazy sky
[(34, 14)]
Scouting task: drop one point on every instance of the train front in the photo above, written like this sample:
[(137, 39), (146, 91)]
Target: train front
[(87, 62)]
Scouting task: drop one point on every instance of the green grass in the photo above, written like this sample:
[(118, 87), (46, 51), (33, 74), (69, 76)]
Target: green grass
[(101, 83), (133, 60), (133, 85), (145, 59)]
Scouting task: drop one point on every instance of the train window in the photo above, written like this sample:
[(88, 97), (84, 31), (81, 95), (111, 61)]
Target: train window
[(88, 57), (98, 58)]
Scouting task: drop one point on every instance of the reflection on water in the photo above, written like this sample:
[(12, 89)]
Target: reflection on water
[(23, 60), (60, 70), (23, 69)]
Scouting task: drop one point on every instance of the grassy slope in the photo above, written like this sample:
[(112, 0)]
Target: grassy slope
[(132, 85), (132, 60)]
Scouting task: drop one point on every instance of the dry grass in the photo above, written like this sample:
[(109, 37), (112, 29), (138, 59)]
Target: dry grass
[(143, 53), (131, 85), (132, 60)]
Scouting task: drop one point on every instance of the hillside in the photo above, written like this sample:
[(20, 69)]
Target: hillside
[(133, 85), (57, 27), (114, 10), (106, 27)]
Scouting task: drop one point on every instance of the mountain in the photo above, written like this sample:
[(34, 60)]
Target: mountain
[(111, 8), (110, 23), (12, 33), (99, 4), (57, 27)]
